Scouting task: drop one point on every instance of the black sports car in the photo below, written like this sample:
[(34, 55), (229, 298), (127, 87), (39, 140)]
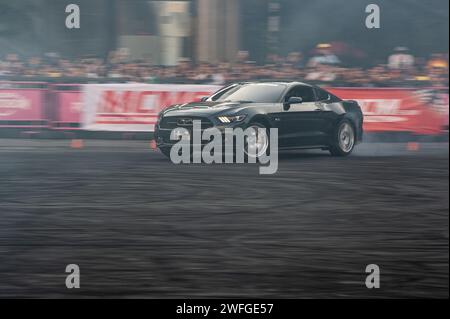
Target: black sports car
[(307, 117)]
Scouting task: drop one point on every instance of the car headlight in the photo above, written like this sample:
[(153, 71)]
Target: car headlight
[(231, 119)]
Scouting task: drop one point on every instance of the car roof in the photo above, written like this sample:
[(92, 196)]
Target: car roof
[(289, 84)]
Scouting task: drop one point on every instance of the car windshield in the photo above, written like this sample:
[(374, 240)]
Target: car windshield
[(251, 93)]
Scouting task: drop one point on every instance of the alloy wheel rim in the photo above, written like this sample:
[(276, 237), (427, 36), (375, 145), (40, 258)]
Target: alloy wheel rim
[(346, 138), (257, 142)]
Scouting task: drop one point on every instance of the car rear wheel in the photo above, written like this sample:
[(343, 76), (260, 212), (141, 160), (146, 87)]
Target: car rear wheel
[(344, 139)]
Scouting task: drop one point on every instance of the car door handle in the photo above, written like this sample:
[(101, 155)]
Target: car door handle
[(319, 107)]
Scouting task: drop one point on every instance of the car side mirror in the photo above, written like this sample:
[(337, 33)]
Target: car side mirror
[(292, 100), (204, 99)]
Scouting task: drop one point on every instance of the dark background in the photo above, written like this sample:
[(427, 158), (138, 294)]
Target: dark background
[(37, 26), (420, 25)]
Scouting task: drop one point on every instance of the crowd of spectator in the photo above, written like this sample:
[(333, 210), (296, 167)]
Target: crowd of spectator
[(324, 68)]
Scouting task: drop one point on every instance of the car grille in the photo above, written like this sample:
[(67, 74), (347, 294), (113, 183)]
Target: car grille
[(180, 121)]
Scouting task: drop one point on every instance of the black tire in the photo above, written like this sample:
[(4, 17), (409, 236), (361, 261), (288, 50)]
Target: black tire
[(166, 151), (341, 147)]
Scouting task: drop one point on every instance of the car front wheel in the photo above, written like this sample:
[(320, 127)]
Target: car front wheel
[(258, 142)]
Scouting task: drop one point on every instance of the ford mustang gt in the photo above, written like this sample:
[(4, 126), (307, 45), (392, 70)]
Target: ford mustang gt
[(306, 116)]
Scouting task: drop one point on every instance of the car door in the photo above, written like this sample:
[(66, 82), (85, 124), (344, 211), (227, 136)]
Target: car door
[(330, 110), (301, 124)]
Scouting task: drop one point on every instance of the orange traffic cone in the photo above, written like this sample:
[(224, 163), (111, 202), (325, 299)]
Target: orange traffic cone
[(77, 144), (413, 146), (153, 145)]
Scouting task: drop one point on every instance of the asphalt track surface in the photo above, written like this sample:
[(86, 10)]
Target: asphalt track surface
[(139, 226)]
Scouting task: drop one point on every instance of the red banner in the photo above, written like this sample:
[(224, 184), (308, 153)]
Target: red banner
[(126, 106), (400, 110), (134, 107), (70, 107), (25, 105)]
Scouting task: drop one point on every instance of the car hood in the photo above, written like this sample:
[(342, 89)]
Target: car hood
[(203, 108)]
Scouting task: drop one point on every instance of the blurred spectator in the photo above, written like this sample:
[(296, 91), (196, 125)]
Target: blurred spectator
[(403, 70), (242, 56), (324, 55), (322, 73), (401, 59), (295, 59), (438, 61)]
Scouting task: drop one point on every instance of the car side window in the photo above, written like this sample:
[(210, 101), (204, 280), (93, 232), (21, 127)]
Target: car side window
[(322, 95), (222, 92), (305, 92)]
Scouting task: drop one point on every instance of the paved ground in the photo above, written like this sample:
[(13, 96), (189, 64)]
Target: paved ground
[(139, 226)]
